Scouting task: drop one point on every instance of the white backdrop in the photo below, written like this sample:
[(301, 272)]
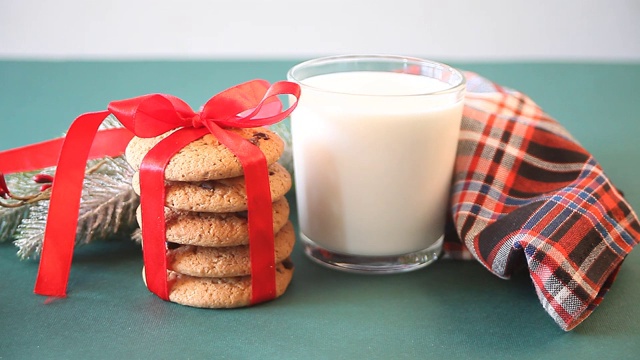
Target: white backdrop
[(584, 30)]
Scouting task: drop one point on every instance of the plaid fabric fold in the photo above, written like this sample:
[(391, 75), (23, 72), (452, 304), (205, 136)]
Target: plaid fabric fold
[(526, 194)]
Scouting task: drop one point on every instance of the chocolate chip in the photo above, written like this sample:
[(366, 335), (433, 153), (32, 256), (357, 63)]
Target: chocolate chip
[(209, 185), (287, 263), (257, 136)]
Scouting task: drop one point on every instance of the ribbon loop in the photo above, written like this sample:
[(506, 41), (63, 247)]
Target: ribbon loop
[(152, 115)]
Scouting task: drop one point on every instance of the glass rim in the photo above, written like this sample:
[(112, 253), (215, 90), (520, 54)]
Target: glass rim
[(376, 57)]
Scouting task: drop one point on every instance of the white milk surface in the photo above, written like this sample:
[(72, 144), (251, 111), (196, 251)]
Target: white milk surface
[(373, 171)]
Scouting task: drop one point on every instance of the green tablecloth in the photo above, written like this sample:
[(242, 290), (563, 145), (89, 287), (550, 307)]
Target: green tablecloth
[(448, 310)]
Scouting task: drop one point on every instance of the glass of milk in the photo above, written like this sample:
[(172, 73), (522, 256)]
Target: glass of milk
[(374, 142)]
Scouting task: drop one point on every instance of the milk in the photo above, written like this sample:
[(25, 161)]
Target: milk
[(372, 171)]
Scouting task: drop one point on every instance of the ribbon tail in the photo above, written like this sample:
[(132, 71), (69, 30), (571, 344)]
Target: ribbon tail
[(261, 248), (62, 219), (261, 238), (152, 200), (108, 142)]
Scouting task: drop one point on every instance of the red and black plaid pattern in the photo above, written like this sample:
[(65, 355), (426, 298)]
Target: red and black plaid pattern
[(526, 194)]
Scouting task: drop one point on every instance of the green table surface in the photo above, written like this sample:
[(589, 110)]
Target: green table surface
[(450, 309)]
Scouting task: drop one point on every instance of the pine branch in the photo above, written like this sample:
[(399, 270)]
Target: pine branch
[(30, 232), (136, 235), (107, 209), (10, 218), (110, 122), (21, 184), (107, 206)]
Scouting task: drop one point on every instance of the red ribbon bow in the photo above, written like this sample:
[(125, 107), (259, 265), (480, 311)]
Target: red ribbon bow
[(250, 104)]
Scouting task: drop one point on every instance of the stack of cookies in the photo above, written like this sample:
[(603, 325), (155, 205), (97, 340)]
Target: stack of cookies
[(206, 219)]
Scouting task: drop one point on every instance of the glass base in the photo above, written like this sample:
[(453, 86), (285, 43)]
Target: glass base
[(372, 264)]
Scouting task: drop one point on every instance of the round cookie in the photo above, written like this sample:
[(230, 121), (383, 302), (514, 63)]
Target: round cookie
[(206, 158), (222, 195), (221, 292), (227, 261), (215, 229)]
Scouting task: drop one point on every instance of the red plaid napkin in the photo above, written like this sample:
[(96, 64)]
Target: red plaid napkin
[(524, 189)]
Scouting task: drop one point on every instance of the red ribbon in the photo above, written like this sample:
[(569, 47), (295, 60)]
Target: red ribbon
[(108, 142), (250, 104)]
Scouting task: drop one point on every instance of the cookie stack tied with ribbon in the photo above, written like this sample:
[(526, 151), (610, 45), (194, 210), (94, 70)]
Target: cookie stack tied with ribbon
[(206, 218)]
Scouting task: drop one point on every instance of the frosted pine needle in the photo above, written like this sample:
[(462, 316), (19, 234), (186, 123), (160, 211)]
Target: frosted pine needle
[(107, 209), (20, 184)]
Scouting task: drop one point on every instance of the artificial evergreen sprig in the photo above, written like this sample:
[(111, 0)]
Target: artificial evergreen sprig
[(24, 194), (107, 207)]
